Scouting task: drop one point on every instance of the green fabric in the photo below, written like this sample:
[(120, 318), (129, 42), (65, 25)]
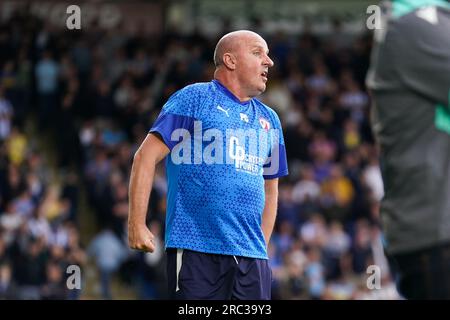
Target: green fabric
[(402, 7), (442, 116)]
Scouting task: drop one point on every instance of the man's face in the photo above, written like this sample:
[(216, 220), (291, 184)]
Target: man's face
[(253, 64)]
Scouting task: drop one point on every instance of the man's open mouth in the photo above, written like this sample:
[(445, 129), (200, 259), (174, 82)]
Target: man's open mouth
[(264, 74)]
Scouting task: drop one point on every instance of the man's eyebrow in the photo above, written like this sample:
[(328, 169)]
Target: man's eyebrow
[(260, 47)]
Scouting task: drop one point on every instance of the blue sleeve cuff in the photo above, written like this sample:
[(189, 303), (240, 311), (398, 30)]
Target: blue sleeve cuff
[(167, 123), (282, 169)]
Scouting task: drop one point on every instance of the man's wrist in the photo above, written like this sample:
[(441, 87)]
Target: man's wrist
[(132, 224)]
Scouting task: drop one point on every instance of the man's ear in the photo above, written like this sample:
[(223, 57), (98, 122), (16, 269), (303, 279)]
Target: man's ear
[(229, 60)]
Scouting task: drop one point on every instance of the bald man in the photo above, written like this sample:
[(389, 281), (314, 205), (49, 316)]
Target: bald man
[(224, 153)]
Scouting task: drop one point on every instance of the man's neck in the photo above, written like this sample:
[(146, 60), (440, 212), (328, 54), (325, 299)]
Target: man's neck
[(232, 85)]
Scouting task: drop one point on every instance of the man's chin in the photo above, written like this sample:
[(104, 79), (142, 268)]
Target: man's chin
[(261, 88), (258, 90)]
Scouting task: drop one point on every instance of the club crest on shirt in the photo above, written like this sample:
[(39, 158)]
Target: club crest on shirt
[(264, 123)]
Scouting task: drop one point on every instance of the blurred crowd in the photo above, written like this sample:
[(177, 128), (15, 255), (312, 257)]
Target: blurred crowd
[(39, 238), (97, 92)]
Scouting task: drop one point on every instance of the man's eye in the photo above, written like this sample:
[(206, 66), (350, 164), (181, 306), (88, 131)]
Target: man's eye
[(257, 53)]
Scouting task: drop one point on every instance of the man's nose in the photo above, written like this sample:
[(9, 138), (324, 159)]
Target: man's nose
[(268, 62)]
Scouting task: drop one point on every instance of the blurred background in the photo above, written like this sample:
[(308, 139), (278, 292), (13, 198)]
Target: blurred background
[(76, 104)]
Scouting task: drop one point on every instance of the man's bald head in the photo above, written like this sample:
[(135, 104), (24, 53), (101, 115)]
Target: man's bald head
[(229, 42), (242, 63)]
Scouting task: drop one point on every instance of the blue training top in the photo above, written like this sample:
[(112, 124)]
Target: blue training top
[(222, 149)]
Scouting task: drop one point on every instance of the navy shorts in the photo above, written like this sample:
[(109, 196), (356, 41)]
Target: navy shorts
[(195, 275)]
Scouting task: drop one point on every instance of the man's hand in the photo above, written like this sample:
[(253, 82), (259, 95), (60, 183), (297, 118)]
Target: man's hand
[(140, 238)]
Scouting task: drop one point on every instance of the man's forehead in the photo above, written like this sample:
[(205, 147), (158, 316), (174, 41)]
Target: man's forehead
[(257, 43), (259, 46)]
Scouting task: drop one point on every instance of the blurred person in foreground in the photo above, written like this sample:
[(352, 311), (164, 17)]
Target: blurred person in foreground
[(222, 199), (410, 82)]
